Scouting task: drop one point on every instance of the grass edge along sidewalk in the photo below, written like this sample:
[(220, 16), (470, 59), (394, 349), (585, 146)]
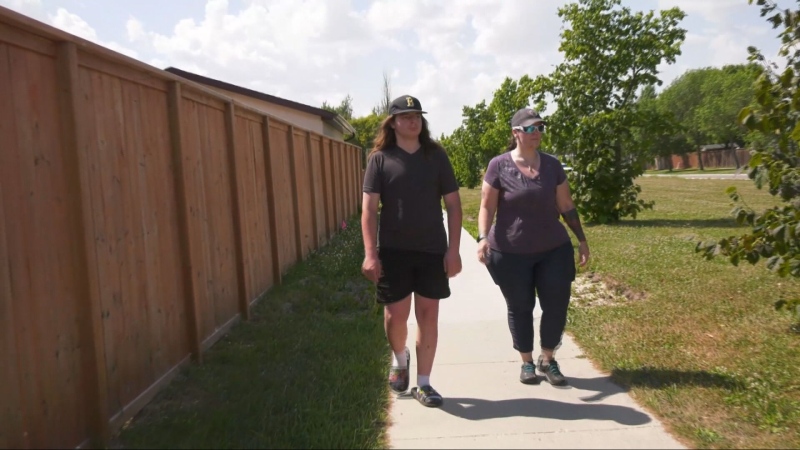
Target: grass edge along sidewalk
[(308, 371), (698, 343)]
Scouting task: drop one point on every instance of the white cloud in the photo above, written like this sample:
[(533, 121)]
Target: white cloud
[(73, 24), (31, 8), (449, 53), (715, 11)]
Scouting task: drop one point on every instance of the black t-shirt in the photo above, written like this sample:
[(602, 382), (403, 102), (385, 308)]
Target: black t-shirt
[(411, 186)]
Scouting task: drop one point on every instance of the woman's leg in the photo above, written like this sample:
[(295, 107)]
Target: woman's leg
[(553, 276), (514, 275)]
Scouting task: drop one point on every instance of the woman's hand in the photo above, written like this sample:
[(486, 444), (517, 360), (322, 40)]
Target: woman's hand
[(583, 252), (483, 251)]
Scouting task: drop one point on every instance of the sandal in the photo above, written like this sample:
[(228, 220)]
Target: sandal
[(427, 396), (399, 376)]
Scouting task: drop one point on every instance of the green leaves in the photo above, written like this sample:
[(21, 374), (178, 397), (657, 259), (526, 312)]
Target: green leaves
[(773, 121), (599, 126)]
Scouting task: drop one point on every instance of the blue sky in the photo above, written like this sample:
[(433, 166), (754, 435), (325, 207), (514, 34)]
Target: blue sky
[(448, 53)]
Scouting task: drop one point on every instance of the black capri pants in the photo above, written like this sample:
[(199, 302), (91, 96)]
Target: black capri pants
[(523, 277)]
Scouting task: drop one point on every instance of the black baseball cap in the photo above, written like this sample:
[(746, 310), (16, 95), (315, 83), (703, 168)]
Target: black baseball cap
[(525, 117), (404, 104)]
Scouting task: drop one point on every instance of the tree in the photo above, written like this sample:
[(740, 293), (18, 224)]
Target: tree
[(610, 54), (659, 138), (682, 100), (366, 129), (510, 97), (345, 108), (705, 103), (775, 232), (725, 92), (485, 130), (467, 154)]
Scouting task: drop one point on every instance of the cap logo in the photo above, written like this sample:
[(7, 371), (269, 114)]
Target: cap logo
[(409, 101)]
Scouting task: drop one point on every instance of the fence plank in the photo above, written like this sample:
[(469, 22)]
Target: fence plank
[(12, 427), (12, 430), (90, 318), (273, 216), (181, 180), (236, 195)]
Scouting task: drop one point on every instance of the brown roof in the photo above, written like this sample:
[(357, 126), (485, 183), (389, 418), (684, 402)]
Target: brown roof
[(326, 115)]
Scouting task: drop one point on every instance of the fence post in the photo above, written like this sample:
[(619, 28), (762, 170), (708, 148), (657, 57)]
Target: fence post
[(356, 167), (273, 216), (314, 221), (238, 229), (336, 183), (298, 237), (90, 325), (352, 177), (324, 145), (181, 180), (348, 200)]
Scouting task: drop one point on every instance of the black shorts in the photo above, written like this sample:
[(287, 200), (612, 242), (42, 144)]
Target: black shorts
[(407, 271)]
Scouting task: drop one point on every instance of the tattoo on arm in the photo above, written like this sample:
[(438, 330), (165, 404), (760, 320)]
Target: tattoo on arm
[(574, 222)]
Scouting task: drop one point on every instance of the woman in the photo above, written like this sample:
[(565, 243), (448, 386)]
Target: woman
[(528, 251)]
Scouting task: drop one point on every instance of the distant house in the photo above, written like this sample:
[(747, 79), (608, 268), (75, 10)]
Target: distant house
[(311, 118)]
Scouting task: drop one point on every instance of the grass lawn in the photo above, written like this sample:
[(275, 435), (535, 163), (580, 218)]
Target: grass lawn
[(698, 342), (307, 372)]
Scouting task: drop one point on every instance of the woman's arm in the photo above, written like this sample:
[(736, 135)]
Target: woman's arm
[(489, 196), (566, 207)]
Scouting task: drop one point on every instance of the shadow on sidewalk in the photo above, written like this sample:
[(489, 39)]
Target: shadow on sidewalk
[(603, 387), (478, 409)]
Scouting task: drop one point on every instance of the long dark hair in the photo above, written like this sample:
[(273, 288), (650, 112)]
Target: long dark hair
[(387, 138), (512, 143)]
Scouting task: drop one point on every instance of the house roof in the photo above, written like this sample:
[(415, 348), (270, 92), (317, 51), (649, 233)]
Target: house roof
[(332, 118)]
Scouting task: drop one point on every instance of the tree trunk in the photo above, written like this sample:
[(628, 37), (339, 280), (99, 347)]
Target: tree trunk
[(700, 158), (735, 156)]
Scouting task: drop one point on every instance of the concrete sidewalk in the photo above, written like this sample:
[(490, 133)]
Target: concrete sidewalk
[(485, 406)]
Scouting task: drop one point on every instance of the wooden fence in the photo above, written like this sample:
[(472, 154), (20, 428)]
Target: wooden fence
[(726, 158), (141, 215)]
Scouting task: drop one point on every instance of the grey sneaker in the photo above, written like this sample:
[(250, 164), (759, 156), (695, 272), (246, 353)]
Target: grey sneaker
[(527, 375), (399, 376), (551, 372)]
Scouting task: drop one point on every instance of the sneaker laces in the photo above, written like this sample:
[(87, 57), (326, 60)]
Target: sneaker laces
[(553, 368), (528, 367)]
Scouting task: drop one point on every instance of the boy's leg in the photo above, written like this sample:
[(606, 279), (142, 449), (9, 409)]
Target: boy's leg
[(394, 293), (395, 322), (430, 285), (427, 313)]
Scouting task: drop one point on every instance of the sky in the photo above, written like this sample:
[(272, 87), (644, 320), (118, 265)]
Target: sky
[(447, 53)]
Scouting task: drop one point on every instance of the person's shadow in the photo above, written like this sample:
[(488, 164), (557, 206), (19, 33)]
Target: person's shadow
[(479, 409)]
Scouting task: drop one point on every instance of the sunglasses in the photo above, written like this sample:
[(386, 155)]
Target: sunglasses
[(530, 129)]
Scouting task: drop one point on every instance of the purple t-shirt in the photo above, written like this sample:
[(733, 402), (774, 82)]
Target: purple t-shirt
[(527, 218)]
